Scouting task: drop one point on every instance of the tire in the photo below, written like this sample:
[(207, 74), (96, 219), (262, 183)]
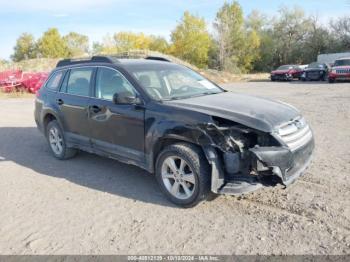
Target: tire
[(57, 142), (195, 163), (331, 80)]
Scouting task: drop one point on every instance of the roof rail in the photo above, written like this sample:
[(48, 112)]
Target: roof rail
[(158, 58), (94, 59)]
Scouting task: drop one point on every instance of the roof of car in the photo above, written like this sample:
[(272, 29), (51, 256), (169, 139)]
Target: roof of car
[(113, 60)]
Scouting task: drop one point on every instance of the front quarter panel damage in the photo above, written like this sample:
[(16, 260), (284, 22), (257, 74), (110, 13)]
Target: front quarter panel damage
[(238, 155)]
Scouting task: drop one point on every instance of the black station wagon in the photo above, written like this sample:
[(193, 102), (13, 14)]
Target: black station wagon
[(169, 120)]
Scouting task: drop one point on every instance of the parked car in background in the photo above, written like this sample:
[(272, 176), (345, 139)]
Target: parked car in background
[(286, 73), (340, 70), (315, 72), (171, 121)]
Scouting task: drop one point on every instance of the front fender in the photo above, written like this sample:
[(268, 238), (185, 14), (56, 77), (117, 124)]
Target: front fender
[(158, 132)]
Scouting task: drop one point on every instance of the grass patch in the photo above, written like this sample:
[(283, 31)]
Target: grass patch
[(4, 95), (222, 77)]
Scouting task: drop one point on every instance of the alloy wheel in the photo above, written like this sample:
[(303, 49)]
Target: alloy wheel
[(178, 177), (56, 140)]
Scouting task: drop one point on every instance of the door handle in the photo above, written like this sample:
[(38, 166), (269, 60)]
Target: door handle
[(95, 109), (59, 101)]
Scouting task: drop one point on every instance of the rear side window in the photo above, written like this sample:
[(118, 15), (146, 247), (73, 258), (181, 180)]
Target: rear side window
[(79, 81), (55, 80)]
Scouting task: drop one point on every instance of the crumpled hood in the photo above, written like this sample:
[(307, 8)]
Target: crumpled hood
[(251, 111)]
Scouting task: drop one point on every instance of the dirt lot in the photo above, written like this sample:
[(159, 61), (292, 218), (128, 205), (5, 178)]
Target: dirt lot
[(92, 205)]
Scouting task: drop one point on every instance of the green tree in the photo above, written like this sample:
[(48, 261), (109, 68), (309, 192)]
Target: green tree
[(52, 45), (77, 44), (256, 21), (106, 47), (213, 57), (125, 41), (191, 40), (238, 45), (289, 32), (25, 48), (260, 24), (341, 33), (159, 44), (229, 29), (266, 61), (97, 48), (250, 53), (317, 41)]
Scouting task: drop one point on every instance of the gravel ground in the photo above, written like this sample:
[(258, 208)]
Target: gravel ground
[(93, 205)]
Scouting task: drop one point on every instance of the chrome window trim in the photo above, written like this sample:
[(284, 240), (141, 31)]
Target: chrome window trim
[(96, 66)]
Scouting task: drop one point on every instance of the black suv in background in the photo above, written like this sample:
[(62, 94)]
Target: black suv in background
[(315, 72), (169, 120)]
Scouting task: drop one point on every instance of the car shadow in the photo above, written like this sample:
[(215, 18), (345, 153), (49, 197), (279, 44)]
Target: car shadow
[(27, 147)]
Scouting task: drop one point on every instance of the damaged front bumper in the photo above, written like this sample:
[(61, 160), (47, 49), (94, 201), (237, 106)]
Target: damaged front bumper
[(271, 165), (282, 162)]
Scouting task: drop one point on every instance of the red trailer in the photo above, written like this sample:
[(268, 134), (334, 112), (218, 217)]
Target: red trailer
[(16, 80), (10, 80)]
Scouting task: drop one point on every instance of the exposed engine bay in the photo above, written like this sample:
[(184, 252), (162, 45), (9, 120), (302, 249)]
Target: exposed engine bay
[(251, 158)]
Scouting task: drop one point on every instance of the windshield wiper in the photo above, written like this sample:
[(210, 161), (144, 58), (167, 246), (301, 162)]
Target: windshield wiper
[(190, 96), (211, 93)]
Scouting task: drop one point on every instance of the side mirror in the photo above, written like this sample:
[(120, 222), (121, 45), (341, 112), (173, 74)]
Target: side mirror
[(126, 98)]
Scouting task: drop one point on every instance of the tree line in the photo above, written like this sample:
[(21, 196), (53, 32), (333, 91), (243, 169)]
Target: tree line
[(237, 43)]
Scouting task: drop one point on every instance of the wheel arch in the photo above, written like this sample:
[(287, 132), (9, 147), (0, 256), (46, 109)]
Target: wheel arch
[(48, 116), (163, 142)]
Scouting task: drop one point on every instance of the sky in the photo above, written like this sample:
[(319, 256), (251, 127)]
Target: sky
[(97, 18)]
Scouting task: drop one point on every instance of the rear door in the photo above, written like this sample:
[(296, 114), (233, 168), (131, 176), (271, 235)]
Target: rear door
[(116, 128), (73, 101)]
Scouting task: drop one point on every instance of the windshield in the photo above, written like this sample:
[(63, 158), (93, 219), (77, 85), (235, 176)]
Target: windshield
[(316, 65), (285, 67), (173, 82), (343, 62)]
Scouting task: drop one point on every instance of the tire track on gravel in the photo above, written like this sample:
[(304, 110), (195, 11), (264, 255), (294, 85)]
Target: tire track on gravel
[(294, 213)]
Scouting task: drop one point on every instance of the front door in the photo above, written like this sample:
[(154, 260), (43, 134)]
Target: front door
[(117, 129)]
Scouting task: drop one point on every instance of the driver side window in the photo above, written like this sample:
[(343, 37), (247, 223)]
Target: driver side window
[(110, 82)]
